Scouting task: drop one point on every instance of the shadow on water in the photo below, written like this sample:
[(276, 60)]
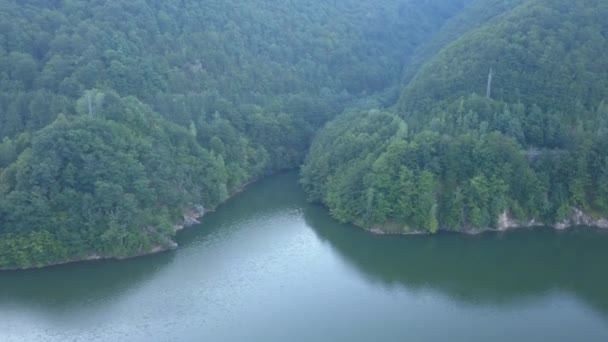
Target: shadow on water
[(62, 287), (480, 270), (486, 269), (263, 198), (87, 283)]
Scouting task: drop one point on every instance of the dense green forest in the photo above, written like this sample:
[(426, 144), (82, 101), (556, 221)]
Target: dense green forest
[(116, 117), (506, 117)]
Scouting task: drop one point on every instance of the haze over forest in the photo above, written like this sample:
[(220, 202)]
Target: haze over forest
[(119, 117)]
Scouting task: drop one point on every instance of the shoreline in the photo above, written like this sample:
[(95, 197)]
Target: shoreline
[(470, 232), (91, 258), (506, 224), (191, 217)]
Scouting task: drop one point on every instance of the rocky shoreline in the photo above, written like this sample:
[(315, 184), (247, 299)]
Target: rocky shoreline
[(191, 217), (506, 223)]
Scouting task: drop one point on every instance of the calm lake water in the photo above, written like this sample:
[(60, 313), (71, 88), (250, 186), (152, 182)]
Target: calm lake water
[(267, 266)]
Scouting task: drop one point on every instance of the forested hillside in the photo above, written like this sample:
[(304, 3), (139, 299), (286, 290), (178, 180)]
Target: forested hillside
[(541, 52), (118, 116), (478, 13), (506, 118)]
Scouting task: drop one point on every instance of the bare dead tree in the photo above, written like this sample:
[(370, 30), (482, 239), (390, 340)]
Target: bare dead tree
[(489, 88), (90, 102)]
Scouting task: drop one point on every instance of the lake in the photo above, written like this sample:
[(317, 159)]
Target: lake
[(267, 266)]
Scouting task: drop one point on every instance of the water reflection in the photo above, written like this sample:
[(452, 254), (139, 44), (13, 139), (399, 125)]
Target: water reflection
[(230, 260), (262, 199), (60, 288), (486, 269), (95, 284)]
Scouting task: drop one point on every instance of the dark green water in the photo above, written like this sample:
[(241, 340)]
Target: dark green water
[(269, 267)]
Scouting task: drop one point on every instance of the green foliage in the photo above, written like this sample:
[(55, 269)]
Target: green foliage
[(361, 183), (427, 181), (190, 59), (116, 116), (542, 52), (535, 148), (476, 14), (33, 249), (92, 182)]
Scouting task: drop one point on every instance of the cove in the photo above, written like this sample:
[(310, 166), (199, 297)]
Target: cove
[(267, 266)]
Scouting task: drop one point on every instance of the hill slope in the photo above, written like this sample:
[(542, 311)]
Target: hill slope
[(532, 151), (541, 53), (117, 117)]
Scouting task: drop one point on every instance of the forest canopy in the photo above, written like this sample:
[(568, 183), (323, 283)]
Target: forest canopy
[(506, 117), (118, 116)]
